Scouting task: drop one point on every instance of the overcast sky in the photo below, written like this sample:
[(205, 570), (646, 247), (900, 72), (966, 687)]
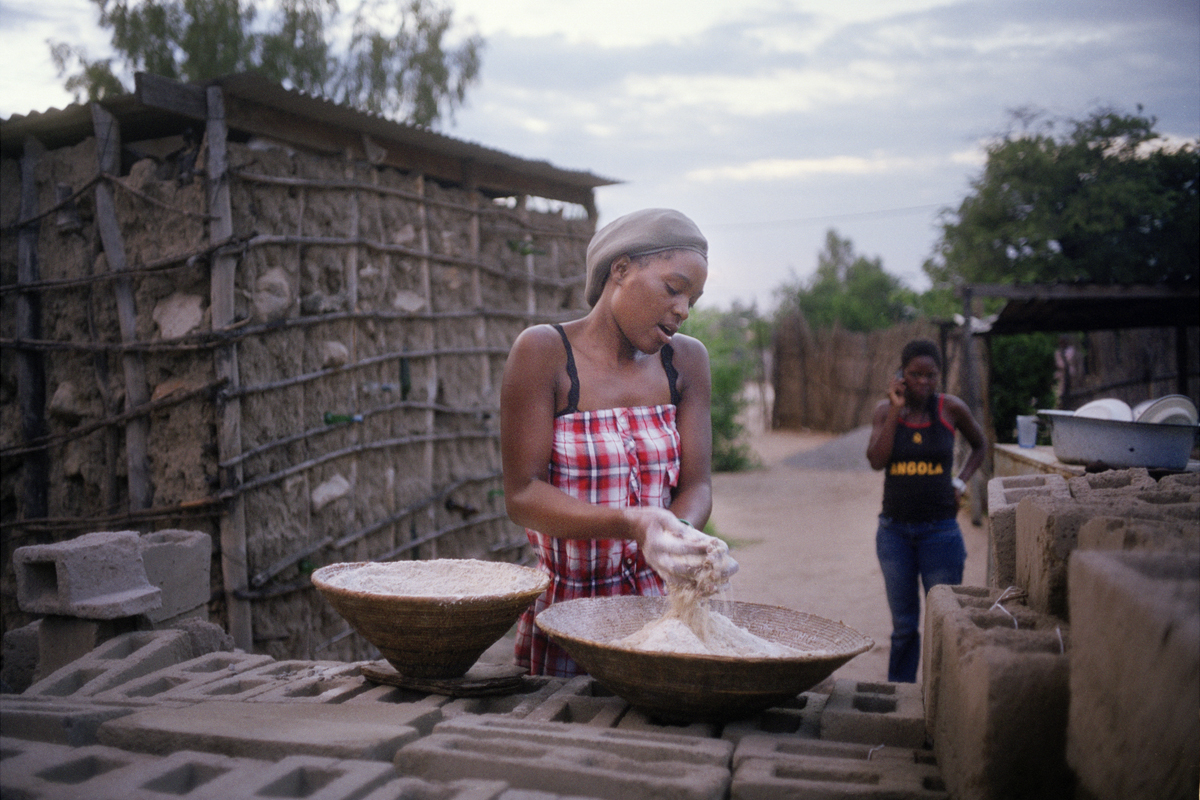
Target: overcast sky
[(766, 121)]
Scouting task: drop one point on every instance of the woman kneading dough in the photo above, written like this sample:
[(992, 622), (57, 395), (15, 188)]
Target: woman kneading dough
[(605, 429)]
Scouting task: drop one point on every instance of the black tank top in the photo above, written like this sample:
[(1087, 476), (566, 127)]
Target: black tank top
[(667, 354), (917, 482)]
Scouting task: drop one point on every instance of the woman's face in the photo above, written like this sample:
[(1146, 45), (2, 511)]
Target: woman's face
[(655, 295), (921, 375)]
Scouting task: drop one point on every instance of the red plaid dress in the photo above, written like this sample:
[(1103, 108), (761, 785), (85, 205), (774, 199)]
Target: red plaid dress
[(616, 457)]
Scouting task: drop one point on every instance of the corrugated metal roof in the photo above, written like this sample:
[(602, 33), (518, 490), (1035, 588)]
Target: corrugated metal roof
[(1089, 307), (252, 87), (56, 128)]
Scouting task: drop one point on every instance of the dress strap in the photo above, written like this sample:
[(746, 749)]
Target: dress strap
[(572, 373), (668, 362)]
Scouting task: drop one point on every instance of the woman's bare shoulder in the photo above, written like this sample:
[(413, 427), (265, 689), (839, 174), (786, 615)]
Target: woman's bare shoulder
[(537, 340), (689, 348)]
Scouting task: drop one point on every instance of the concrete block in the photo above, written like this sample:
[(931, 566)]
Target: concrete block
[(635, 719), (835, 779), (785, 766), (117, 661), (800, 717), (530, 794), (769, 747), (625, 744), (204, 635), (182, 774), (581, 701), (55, 771), (606, 768), (874, 713), (409, 788), (278, 681), (946, 604), (95, 576), (302, 776), (314, 682), (998, 701), (19, 657), (1048, 530), (1181, 480), (1092, 484), (178, 563), (534, 692), (1003, 495), (177, 684), (64, 640), (1133, 730), (71, 724), (1120, 533), (269, 730)]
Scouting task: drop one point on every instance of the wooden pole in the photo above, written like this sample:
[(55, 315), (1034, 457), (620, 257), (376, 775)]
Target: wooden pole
[(137, 393), (431, 385), (971, 397), (234, 567), (31, 364)]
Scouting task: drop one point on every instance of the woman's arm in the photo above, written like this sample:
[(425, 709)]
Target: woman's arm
[(883, 425), (965, 422), (692, 498)]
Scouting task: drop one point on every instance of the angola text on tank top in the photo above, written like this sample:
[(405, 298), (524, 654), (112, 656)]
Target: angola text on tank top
[(917, 479), (615, 457)]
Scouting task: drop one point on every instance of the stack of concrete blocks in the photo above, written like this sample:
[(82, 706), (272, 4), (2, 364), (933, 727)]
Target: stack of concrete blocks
[(136, 718), (1003, 496), (1048, 527), (996, 692), (1003, 673), (98, 586)]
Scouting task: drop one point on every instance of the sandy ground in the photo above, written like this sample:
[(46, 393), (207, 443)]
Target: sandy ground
[(802, 528)]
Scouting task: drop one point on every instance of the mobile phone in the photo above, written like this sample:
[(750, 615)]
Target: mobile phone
[(899, 374)]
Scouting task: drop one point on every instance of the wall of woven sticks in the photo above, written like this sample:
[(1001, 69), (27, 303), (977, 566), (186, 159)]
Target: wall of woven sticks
[(299, 354)]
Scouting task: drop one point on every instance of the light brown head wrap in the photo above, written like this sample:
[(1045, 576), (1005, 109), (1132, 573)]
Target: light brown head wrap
[(640, 233)]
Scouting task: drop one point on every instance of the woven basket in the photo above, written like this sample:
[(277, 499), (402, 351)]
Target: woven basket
[(434, 637), (677, 687)]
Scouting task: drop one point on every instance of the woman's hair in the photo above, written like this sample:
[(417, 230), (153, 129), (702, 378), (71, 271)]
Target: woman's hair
[(920, 347)]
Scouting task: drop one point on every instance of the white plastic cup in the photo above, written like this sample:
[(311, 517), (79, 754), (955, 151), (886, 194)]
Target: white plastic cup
[(1027, 431)]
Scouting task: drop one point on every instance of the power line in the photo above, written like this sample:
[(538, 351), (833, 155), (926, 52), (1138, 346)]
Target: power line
[(887, 212)]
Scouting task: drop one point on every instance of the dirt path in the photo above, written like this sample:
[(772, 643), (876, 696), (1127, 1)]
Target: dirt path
[(802, 528)]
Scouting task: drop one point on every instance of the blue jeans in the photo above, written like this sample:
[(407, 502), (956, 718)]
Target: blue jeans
[(931, 551)]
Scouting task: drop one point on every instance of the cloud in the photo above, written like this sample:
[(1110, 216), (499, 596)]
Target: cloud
[(801, 168)]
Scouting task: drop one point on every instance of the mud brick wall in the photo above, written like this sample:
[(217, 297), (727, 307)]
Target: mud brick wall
[(347, 409)]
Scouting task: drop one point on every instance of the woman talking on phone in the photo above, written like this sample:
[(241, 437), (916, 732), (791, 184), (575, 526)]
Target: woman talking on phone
[(919, 539)]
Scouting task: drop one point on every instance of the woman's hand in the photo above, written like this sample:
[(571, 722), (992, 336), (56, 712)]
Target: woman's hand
[(896, 388), (679, 553)]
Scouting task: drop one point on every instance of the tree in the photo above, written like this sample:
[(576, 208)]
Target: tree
[(1106, 202), (850, 290), (410, 73), (736, 340)]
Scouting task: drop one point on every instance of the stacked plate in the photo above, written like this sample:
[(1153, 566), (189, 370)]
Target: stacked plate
[(1174, 409)]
